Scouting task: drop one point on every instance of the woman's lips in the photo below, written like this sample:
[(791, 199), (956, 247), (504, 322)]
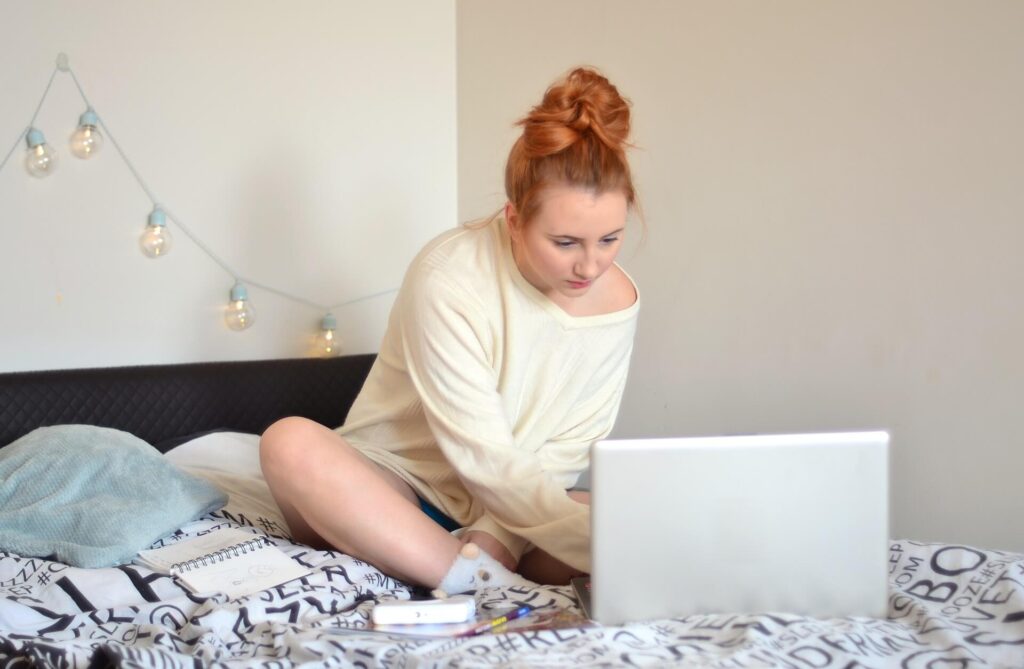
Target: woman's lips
[(579, 284)]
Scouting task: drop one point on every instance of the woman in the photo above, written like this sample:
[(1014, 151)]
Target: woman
[(505, 357)]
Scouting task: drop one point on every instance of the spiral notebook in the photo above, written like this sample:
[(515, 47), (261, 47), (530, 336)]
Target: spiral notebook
[(228, 560)]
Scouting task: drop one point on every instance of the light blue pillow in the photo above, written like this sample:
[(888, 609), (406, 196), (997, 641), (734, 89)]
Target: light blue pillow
[(92, 496)]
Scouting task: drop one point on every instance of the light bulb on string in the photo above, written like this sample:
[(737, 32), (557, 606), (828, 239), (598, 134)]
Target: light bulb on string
[(86, 140), (239, 313), (40, 160), (328, 343), (155, 240)]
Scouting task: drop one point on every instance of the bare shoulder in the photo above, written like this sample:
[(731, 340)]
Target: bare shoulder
[(613, 292), (619, 292)]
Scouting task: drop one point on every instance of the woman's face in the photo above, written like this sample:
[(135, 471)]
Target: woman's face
[(574, 238)]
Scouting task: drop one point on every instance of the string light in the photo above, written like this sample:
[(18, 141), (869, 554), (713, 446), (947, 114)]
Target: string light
[(239, 314), (40, 160), (328, 344), (155, 241), (86, 140)]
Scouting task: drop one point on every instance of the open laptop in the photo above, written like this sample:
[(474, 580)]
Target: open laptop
[(750, 524)]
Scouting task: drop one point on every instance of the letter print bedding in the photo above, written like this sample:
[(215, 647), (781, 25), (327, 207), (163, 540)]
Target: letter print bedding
[(950, 606)]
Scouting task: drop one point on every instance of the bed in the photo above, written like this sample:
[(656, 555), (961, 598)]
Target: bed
[(950, 606)]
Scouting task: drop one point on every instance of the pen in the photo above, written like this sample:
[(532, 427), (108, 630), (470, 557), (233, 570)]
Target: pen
[(496, 622)]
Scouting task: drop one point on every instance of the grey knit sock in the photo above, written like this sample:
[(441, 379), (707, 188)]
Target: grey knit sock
[(474, 568)]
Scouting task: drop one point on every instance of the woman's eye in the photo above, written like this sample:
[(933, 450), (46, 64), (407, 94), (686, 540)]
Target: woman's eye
[(609, 240), (563, 244)]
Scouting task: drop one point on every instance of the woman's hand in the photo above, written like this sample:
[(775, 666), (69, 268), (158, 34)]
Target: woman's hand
[(492, 547)]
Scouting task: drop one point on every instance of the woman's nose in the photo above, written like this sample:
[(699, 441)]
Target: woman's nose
[(586, 267)]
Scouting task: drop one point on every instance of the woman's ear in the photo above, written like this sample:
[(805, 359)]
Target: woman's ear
[(512, 220)]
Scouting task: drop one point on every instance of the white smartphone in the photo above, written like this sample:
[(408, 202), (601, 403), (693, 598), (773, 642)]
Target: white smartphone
[(457, 609)]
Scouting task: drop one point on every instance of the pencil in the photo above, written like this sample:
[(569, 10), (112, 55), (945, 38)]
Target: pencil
[(497, 622)]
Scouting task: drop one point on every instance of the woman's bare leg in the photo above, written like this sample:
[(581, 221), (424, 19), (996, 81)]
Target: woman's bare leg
[(541, 567), (330, 493)]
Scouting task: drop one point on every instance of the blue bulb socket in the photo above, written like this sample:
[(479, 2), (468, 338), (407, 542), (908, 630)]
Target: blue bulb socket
[(89, 118), (329, 323), (157, 217), (35, 138), (238, 292)]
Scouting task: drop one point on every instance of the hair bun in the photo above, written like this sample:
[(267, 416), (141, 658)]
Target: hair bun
[(597, 105), (576, 137), (584, 103)]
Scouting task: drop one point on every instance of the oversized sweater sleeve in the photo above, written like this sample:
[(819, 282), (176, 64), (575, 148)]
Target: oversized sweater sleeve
[(593, 427), (447, 342)]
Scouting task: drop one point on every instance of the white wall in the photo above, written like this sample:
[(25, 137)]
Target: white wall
[(310, 145), (833, 194)]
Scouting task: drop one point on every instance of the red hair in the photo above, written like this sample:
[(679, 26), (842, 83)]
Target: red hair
[(577, 137)]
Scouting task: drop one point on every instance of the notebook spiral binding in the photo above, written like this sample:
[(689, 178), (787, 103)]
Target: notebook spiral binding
[(219, 556)]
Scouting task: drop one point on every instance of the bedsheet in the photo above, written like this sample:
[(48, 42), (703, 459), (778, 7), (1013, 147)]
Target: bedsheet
[(950, 606)]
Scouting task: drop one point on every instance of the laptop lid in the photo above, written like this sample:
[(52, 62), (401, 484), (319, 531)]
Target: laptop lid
[(754, 524)]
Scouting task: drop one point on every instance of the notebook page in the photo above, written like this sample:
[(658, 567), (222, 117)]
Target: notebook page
[(161, 559), (245, 573)]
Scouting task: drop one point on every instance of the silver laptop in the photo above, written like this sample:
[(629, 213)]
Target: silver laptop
[(751, 524)]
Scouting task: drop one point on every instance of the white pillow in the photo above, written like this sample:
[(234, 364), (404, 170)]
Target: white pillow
[(231, 461)]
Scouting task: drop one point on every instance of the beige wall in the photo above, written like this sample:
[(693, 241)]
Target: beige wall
[(310, 146), (833, 194)]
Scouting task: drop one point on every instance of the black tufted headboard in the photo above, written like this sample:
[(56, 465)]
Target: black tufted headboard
[(160, 402)]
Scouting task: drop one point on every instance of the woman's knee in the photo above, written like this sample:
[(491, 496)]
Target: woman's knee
[(285, 445), (302, 451)]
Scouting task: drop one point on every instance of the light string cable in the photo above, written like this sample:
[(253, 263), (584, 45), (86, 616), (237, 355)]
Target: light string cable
[(188, 232), (32, 122), (142, 184)]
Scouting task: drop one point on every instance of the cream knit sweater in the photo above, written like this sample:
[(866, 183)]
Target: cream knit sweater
[(486, 396)]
